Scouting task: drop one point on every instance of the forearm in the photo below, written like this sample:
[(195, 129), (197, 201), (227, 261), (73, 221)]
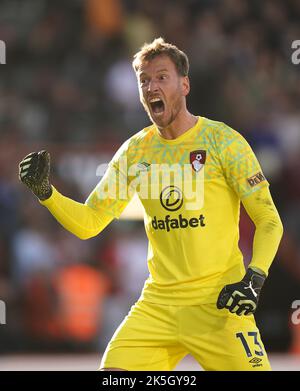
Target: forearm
[(80, 219), (269, 229)]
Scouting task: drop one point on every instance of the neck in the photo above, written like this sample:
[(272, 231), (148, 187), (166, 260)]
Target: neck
[(183, 122)]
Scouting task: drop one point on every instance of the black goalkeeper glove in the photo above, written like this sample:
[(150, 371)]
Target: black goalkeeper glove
[(242, 297), (34, 171)]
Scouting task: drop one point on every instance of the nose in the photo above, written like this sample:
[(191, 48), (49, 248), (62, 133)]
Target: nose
[(152, 86)]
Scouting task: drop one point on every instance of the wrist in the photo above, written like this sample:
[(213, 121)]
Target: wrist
[(43, 191), (47, 194), (257, 270), (255, 278)]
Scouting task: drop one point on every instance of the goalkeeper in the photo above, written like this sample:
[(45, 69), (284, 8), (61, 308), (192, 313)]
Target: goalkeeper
[(198, 299)]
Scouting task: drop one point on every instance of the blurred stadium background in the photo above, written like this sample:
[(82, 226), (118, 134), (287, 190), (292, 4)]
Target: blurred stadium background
[(68, 87)]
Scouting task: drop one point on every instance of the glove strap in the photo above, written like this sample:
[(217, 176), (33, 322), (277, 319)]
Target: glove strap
[(257, 279)]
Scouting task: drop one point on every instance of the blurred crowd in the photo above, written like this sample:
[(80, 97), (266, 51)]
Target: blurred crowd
[(68, 87)]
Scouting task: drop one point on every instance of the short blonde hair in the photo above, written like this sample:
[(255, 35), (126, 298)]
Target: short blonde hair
[(157, 48)]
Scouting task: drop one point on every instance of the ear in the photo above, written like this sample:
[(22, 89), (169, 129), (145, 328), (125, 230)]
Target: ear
[(185, 85)]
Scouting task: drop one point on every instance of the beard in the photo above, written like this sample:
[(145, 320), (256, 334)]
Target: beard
[(169, 115)]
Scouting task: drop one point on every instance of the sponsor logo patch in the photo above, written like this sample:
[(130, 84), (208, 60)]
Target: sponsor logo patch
[(171, 198), (256, 179)]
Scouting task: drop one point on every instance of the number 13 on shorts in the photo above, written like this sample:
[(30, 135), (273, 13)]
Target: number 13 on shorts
[(259, 350), (252, 347)]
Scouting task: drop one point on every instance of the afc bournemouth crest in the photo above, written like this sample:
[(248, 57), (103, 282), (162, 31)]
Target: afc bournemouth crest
[(197, 159)]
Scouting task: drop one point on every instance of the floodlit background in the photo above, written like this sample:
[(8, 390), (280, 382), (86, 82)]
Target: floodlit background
[(68, 87)]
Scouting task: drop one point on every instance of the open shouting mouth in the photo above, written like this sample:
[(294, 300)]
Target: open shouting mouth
[(157, 106)]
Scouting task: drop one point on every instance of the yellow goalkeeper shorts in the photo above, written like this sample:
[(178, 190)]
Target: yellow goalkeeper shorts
[(156, 337)]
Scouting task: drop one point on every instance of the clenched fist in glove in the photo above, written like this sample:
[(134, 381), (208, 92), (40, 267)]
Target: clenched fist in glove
[(242, 297), (34, 171)]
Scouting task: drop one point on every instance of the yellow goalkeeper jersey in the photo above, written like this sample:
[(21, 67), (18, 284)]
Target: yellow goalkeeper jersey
[(191, 189)]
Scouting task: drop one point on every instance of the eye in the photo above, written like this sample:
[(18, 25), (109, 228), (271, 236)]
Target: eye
[(143, 81), (162, 77)]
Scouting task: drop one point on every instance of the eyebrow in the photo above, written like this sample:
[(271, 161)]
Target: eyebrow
[(163, 70), (158, 71)]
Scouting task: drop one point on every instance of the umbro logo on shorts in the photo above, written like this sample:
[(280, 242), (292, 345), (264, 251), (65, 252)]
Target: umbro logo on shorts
[(256, 362)]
